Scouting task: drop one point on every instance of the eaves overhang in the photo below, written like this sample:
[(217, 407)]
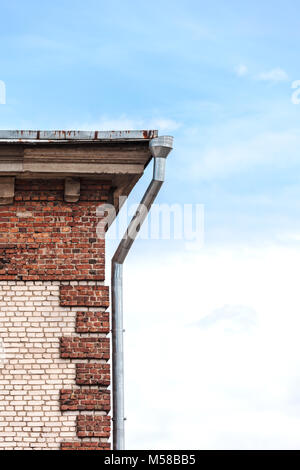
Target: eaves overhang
[(119, 157)]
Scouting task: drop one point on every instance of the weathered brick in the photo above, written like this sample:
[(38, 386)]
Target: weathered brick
[(45, 241), (85, 400), (93, 426), (76, 347), (85, 446), (93, 374), (45, 238), (84, 296), (92, 322)]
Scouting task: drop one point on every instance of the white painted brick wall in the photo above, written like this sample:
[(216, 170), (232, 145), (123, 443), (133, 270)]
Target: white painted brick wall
[(32, 373)]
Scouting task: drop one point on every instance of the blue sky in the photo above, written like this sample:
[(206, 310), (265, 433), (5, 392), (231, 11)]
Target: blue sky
[(216, 75), (191, 68)]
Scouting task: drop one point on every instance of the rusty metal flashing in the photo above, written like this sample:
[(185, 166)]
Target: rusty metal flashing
[(23, 136)]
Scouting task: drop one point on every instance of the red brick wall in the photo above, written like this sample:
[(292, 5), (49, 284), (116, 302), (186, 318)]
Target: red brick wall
[(92, 322), (93, 374), (43, 238), (76, 347), (84, 296), (85, 400), (85, 446), (93, 426)]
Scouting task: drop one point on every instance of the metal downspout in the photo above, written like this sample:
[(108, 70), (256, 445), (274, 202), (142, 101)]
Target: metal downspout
[(160, 147)]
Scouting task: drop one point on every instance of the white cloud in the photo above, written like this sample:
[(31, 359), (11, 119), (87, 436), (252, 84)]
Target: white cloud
[(274, 75), (163, 124), (217, 387), (289, 237), (266, 137), (231, 318), (241, 70), (125, 122), (278, 149)]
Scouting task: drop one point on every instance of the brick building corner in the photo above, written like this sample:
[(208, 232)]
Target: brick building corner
[(54, 303)]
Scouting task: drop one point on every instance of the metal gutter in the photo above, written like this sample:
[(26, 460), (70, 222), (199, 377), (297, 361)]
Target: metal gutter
[(160, 148)]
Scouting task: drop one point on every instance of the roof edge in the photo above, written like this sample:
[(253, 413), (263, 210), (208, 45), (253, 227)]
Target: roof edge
[(74, 136)]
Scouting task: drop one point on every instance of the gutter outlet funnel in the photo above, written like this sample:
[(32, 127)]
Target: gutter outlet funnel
[(161, 146)]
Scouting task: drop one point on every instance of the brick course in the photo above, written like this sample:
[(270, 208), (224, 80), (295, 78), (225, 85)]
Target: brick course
[(93, 426), (92, 322), (76, 347), (85, 400), (84, 296), (93, 374), (85, 446)]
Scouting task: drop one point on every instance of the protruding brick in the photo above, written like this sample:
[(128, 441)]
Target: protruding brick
[(85, 400), (92, 322), (93, 374), (85, 446), (93, 426), (84, 296), (76, 347)]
